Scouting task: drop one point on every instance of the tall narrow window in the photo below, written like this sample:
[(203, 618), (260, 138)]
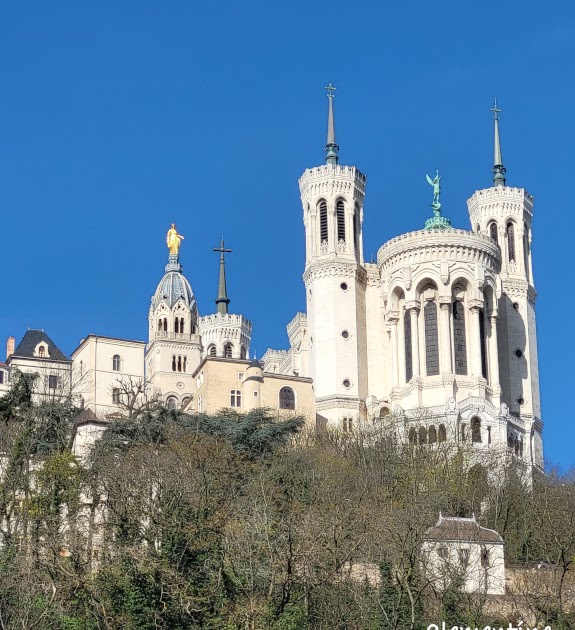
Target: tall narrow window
[(356, 230), (243, 352), (212, 351), (323, 221), (179, 363), (41, 351), (476, 430), (459, 338), (177, 325), (408, 350), (432, 433), (526, 249), (431, 345), (116, 363), (511, 241), (116, 395), (340, 212), (165, 324), (159, 325), (493, 232), (52, 381), (287, 398), (173, 363), (482, 343), (442, 434), (228, 350)]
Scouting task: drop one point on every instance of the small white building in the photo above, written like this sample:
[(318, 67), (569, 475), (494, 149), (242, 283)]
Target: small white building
[(458, 551)]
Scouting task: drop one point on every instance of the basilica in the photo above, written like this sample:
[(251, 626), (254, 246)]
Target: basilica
[(437, 335)]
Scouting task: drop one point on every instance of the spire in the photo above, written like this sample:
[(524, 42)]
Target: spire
[(222, 300), (498, 169), (331, 149)]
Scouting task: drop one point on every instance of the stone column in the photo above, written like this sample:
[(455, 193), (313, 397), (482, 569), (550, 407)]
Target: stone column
[(393, 319), (446, 365), (414, 320), (475, 333), (493, 354)]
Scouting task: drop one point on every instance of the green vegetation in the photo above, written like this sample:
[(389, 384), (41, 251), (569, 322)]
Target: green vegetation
[(242, 521)]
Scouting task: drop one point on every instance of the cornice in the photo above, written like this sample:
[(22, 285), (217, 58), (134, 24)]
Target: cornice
[(334, 268)]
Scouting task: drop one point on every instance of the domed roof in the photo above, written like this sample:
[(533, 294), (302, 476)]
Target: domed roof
[(174, 286)]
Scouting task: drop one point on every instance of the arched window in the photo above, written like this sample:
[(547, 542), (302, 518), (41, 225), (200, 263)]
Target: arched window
[(431, 345), (526, 249), (356, 230), (116, 363), (340, 213), (287, 398), (493, 231), (475, 430), (172, 402), (41, 351), (243, 352), (460, 346), (212, 351), (432, 435), (228, 350), (442, 434), (185, 361), (483, 346), (384, 411), (177, 325), (323, 221), (412, 436), (173, 363), (511, 241), (179, 363), (160, 325), (422, 435), (185, 401), (408, 350), (165, 324)]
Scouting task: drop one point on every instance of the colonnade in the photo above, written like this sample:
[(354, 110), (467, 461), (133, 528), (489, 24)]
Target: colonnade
[(476, 349)]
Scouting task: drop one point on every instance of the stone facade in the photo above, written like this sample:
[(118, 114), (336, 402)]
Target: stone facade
[(440, 331), (243, 385)]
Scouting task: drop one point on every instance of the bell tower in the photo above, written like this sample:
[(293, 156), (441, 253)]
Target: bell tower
[(174, 347), (505, 214), (335, 280)]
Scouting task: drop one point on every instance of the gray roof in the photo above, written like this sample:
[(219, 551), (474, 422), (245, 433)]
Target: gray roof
[(173, 286), (29, 342), (454, 529)]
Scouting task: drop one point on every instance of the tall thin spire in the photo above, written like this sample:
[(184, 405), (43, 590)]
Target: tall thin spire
[(331, 149), (222, 300), (498, 169)]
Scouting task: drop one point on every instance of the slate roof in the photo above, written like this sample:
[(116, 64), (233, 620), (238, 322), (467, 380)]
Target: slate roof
[(29, 342), (455, 529)]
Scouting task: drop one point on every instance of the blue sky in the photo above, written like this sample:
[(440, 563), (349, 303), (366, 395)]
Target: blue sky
[(117, 118)]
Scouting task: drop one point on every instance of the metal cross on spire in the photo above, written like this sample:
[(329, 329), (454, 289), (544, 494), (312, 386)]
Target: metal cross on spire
[(496, 111), (498, 169), (330, 88), (222, 300), (331, 148)]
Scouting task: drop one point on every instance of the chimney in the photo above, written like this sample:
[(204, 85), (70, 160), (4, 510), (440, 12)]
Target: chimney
[(10, 343)]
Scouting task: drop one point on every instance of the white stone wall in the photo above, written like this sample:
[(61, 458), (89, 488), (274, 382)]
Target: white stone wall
[(477, 576)]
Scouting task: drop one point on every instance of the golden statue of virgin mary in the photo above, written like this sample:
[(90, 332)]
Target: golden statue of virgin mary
[(173, 240)]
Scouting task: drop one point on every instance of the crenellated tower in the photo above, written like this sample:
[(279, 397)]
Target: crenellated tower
[(505, 214), (335, 279), (225, 334)]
